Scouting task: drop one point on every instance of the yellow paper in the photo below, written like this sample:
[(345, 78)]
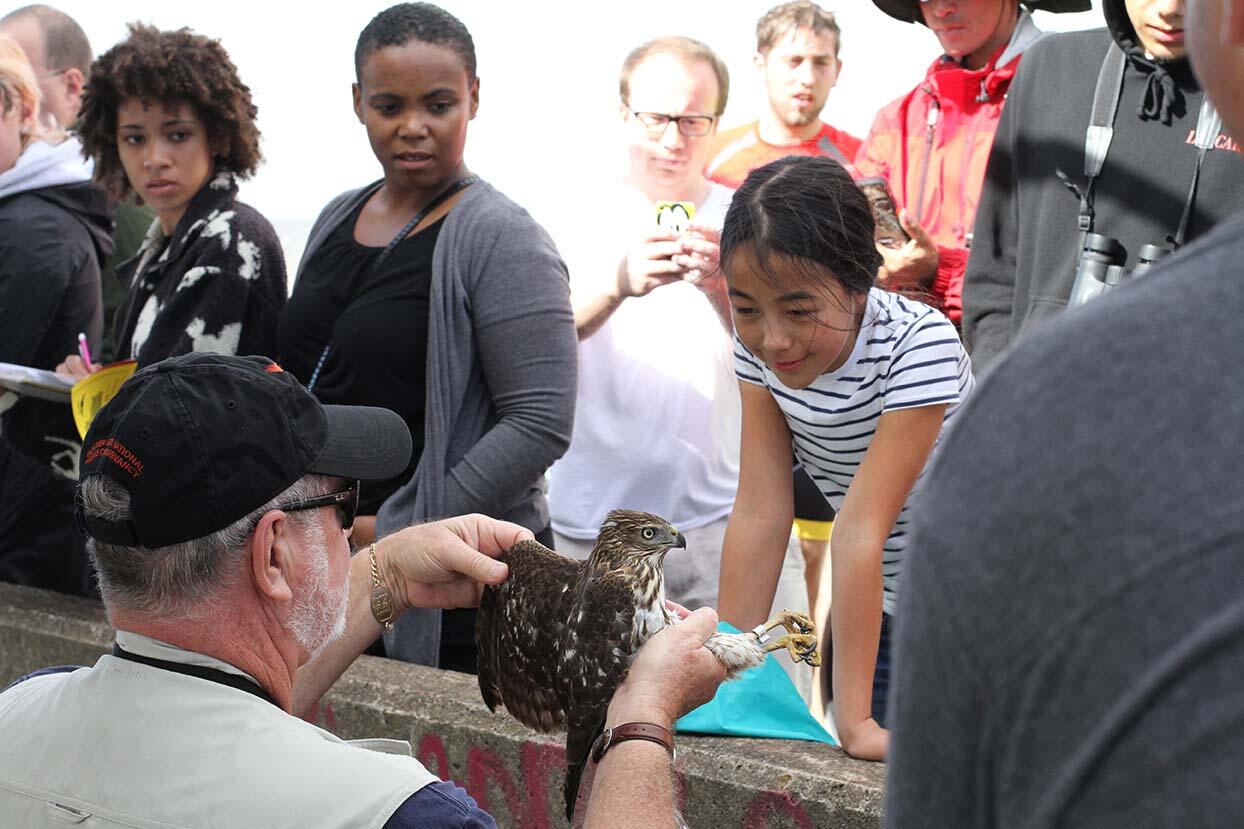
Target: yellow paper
[(90, 394)]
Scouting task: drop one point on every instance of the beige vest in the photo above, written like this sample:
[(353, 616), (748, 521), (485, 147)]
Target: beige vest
[(125, 744)]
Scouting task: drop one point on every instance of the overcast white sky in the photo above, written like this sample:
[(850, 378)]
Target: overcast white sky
[(547, 126)]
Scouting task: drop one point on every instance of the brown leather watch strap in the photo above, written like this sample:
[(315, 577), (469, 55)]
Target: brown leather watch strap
[(632, 731)]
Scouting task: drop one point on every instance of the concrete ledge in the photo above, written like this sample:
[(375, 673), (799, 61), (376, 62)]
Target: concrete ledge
[(513, 772)]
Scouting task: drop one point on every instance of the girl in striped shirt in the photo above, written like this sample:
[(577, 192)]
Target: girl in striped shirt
[(852, 381)]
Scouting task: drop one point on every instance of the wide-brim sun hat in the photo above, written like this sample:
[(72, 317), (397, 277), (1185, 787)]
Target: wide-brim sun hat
[(908, 11)]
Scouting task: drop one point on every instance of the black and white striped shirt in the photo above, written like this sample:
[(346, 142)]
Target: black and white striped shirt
[(907, 355)]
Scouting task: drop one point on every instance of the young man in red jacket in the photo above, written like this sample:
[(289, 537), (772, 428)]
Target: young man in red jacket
[(932, 144)]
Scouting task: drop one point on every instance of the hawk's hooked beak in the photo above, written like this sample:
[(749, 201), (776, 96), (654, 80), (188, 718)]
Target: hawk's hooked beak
[(680, 540)]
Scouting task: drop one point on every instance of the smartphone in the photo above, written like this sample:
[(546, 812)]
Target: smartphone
[(675, 216), (889, 231)]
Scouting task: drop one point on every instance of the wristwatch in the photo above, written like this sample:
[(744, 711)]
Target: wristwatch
[(651, 732), (381, 599)]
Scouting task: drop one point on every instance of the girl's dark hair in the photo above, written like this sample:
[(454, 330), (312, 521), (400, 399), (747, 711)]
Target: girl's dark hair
[(808, 212), (166, 68), (424, 22)]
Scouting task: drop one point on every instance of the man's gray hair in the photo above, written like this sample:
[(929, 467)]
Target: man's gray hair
[(179, 580)]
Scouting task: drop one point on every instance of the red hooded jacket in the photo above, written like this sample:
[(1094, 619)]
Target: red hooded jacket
[(932, 145)]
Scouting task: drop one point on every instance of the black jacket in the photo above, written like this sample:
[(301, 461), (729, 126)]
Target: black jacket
[(216, 284), (1024, 247), (52, 241)]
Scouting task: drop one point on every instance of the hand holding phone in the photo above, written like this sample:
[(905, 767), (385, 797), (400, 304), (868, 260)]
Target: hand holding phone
[(889, 230)]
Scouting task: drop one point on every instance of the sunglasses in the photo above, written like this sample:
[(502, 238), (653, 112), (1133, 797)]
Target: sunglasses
[(346, 501)]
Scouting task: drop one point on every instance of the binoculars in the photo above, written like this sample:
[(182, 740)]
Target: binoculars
[(1102, 263)]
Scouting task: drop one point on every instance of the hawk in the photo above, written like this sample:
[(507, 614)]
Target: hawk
[(557, 637)]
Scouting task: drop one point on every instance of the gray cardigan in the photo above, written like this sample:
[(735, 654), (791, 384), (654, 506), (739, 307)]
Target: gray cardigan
[(501, 374)]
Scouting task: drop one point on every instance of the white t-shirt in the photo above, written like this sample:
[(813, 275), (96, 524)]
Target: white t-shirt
[(907, 355), (657, 417)]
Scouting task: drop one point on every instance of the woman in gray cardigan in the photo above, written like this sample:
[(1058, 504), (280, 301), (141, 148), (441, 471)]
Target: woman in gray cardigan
[(432, 294)]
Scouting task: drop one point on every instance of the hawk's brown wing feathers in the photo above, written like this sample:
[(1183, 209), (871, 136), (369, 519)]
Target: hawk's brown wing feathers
[(517, 634), (599, 647)]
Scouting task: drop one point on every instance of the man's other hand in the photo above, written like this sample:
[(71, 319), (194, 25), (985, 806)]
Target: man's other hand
[(445, 564), (672, 674), (650, 264), (915, 263), (700, 256)]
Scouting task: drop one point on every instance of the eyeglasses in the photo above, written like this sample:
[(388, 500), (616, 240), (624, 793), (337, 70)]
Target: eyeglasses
[(692, 126), (346, 501)]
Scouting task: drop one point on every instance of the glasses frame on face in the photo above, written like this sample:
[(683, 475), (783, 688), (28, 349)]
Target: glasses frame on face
[(346, 501), (655, 123)]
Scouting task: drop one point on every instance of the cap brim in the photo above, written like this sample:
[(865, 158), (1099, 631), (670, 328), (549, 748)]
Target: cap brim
[(908, 10), (363, 442)]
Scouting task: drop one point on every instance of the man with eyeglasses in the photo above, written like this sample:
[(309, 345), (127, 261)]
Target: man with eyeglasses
[(60, 54), (657, 416), (219, 495)]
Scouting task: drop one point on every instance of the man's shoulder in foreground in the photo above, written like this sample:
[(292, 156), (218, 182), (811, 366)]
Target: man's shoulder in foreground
[(1087, 525)]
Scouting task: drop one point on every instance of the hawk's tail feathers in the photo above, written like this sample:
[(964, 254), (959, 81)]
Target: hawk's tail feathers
[(581, 733)]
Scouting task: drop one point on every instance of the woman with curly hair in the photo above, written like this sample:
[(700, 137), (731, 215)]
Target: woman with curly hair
[(165, 117)]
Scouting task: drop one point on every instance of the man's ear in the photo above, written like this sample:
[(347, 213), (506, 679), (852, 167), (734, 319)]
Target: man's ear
[(758, 61), (271, 557), (357, 92), (74, 84)]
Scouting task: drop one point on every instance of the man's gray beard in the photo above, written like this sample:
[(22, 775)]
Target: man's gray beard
[(317, 617)]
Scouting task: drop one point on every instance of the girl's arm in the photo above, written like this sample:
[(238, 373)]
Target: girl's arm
[(759, 526), (898, 451)]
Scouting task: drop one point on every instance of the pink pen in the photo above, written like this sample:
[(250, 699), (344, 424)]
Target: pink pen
[(84, 351)]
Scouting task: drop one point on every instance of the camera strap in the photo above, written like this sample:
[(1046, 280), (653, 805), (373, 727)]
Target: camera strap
[(1100, 133)]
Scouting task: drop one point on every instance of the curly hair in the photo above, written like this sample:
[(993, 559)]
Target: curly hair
[(424, 22), (168, 68)]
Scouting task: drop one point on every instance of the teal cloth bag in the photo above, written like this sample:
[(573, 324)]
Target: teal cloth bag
[(762, 702)]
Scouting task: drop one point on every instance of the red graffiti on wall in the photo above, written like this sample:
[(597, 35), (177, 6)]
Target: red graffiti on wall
[(775, 804), (528, 804), (532, 800), (323, 715), (432, 754)]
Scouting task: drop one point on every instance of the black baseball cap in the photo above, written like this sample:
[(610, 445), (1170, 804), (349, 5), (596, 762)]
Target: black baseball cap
[(908, 11), (202, 440)]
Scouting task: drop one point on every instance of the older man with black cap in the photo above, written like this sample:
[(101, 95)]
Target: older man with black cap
[(931, 145), (219, 496)]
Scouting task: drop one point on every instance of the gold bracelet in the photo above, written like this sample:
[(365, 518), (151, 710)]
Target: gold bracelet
[(381, 598)]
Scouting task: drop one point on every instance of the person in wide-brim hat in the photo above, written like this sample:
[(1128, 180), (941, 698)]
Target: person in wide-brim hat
[(931, 145), (908, 11)]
